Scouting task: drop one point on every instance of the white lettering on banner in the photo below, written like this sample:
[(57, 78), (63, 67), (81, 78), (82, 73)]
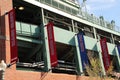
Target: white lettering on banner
[(52, 46), (11, 20), (14, 58), (50, 33), (13, 37), (51, 41), (12, 29), (81, 43)]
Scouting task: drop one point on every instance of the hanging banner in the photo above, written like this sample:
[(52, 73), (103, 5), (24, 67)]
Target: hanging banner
[(118, 47), (83, 52), (0, 16), (52, 45), (105, 54), (13, 41)]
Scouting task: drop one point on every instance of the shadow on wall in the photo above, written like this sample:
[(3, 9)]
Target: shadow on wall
[(2, 37), (43, 75)]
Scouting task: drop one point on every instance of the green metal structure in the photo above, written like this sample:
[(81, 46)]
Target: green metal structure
[(69, 19)]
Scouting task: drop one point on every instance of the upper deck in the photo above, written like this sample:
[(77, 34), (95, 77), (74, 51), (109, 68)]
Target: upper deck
[(71, 9)]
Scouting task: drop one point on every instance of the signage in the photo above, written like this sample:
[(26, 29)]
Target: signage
[(52, 45), (13, 41), (105, 54), (83, 52)]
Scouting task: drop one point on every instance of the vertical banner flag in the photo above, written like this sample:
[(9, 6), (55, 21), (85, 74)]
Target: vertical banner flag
[(118, 49), (52, 45), (13, 41), (83, 52), (105, 54)]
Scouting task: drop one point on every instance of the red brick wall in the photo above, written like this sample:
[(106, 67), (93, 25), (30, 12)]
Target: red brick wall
[(5, 6), (29, 75)]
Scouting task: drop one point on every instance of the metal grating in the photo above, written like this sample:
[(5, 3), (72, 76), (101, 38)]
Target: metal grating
[(55, 4), (48, 1), (74, 12), (68, 9), (42, 1), (61, 6)]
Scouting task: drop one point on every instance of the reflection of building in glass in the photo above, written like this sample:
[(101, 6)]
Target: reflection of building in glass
[(33, 43)]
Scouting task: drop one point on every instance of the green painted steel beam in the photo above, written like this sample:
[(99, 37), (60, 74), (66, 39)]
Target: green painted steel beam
[(46, 54), (29, 40), (64, 36), (100, 57), (68, 38), (78, 58)]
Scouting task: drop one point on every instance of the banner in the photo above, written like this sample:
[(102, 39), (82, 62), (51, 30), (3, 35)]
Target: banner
[(118, 47), (83, 52), (105, 54), (0, 16), (52, 45), (13, 41)]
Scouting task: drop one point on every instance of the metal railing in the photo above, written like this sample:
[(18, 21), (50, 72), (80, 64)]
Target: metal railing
[(60, 6), (84, 15), (98, 21), (27, 29)]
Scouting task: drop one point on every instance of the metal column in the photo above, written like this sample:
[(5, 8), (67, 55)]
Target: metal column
[(45, 46), (73, 27), (78, 58), (101, 60), (95, 33), (118, 56)]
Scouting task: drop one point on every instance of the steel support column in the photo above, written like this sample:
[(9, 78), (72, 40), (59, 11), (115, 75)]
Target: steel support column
[(45, 46), (78, 58), (101, 60)]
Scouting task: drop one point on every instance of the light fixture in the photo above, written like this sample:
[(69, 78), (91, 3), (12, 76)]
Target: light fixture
[(21, 8), (14, 7), (119, 41)]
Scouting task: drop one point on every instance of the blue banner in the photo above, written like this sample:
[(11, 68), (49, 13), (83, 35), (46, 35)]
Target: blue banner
[(83, 52), (118, 49)]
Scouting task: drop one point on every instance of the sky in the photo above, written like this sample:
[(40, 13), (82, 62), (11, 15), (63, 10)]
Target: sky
[(109, 9)]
